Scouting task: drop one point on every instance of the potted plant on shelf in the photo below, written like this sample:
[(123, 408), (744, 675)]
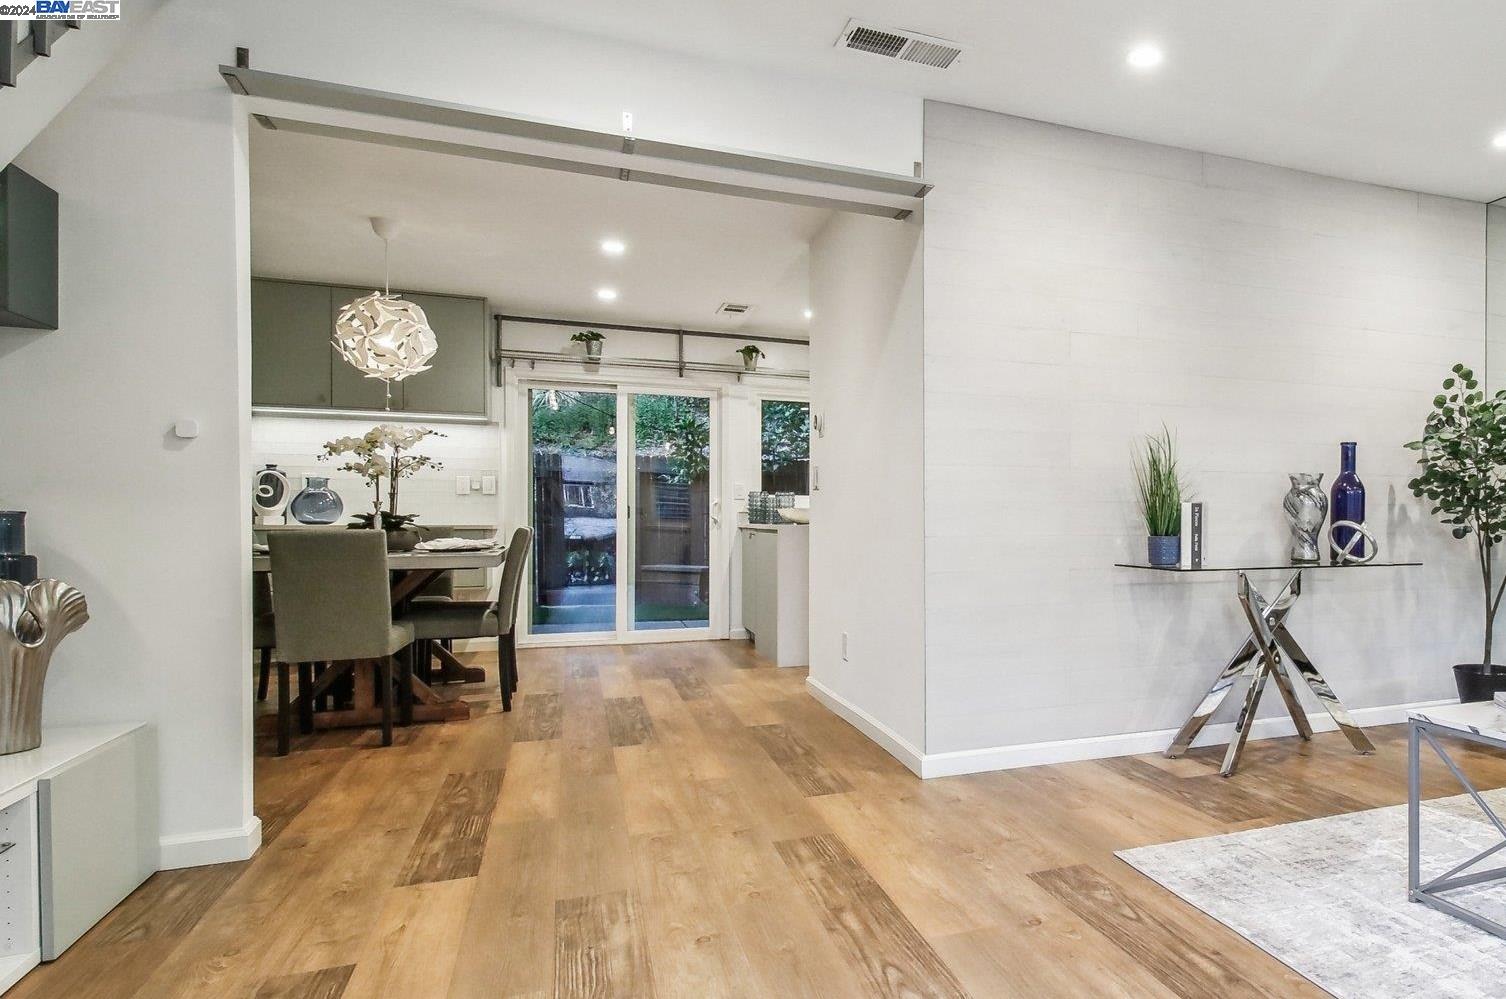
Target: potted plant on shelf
[(385, 452), (593, 341), (1158, 484), (1463, 453), (751, 354)]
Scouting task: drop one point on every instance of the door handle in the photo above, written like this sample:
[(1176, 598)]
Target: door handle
[(716, 512)]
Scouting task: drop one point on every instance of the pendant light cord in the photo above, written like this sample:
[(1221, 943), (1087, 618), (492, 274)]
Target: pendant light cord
[(387, 293)]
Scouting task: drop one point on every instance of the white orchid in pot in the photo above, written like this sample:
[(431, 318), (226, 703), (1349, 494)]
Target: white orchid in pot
[(384, 453)]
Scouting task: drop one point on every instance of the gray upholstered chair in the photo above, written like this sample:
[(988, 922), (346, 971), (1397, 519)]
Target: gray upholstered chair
[(263, 634), (441, 620), (333, 603)]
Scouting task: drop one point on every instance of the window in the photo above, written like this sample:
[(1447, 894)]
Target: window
[(786, 436), (578, 494)]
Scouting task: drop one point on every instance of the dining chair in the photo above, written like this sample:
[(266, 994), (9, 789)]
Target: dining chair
[(263, 635), (332, 602), (455, 619)]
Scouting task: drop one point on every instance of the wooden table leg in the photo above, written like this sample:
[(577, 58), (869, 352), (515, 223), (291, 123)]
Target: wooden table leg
[(452, 670)]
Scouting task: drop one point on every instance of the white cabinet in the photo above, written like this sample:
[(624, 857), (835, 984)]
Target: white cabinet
[(78, 833), (776, 591)]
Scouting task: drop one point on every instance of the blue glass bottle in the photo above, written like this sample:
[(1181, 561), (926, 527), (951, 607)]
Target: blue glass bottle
[(1347, 503)]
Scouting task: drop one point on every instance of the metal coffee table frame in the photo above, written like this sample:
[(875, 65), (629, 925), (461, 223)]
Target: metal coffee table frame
[(1264, 656), (1429, 893)]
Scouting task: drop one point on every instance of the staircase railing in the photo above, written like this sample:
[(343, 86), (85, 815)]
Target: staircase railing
[(23, 42)]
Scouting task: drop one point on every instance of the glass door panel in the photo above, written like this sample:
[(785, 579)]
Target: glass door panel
[(572, 438), (671, 512)]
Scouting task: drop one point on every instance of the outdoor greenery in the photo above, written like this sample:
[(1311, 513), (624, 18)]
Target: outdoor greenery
[(1158, 484), (679, 427), (1463, 452), (786, 434), (383, 452)]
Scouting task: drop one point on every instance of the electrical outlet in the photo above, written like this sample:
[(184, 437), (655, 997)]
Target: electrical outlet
[(844, 646), (489, 485), (475, 485), (462, 485)]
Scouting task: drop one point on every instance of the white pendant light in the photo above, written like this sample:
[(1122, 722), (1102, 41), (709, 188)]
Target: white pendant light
[(382, 335)]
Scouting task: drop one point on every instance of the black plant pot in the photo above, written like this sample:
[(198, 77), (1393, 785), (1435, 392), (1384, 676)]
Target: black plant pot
[(1477, 685)]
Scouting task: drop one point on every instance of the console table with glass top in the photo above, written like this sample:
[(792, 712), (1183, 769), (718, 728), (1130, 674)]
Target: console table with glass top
[(1266, 655)]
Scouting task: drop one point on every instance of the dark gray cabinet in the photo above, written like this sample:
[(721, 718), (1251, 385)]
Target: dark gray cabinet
[(28, 251), (293, 365), (290, 351)]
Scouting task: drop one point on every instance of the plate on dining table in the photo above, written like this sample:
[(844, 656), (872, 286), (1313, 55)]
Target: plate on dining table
[(457, 545)]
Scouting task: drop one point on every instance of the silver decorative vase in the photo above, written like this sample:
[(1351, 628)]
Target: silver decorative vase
[(33, 620), (1306, 508)]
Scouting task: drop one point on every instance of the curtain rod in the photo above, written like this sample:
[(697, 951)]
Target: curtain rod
[(630, 328)]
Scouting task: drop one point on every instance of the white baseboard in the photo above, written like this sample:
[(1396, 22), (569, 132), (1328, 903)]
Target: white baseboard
[(892, 742), (972, 761), (218, 846)]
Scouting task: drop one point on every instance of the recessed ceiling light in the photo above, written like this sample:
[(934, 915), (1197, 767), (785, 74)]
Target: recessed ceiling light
[(809, 314), (1146, 55), (607, 294), (1499, 141), (613, 247)]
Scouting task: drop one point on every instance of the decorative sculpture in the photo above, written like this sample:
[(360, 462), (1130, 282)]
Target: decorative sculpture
[(1306, 508), (270, 492), (1353, 549), (33, 620)]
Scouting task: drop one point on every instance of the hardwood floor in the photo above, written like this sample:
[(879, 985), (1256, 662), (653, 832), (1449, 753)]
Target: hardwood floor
[(684, 820)]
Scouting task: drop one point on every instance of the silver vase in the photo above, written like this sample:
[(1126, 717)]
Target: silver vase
[(33, 620), (1306, 508)]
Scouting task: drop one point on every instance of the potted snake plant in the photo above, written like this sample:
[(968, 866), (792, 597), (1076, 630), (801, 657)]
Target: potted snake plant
[(1158, 487)]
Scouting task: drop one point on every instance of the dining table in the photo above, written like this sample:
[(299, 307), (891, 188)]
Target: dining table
[(411, 572)]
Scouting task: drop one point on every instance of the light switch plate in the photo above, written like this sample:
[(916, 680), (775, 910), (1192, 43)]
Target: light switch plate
[(489, 485), (462, 485)]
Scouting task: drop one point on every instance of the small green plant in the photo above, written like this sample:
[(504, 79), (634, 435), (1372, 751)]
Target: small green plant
[(1463, 461), (751, 351), (587, 336), (1158, 483)]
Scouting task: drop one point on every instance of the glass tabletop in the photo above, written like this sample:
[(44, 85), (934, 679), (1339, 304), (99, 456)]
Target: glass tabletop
[(1257, 565)]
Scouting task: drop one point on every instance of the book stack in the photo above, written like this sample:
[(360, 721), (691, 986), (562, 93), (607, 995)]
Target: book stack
[(1192, 536)]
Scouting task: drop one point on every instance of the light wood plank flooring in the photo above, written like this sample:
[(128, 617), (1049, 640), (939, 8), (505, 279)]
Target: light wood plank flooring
[(684, 820)]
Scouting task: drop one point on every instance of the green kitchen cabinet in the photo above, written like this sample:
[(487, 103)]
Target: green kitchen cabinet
[(290, 350), (456, 381), (293, 365), (349, 388)]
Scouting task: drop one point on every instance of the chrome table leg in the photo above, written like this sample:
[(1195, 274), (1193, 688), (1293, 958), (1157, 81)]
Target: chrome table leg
[(1266, 654), (1244, 663)]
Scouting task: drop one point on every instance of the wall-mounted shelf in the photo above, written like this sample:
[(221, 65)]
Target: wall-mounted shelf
[(534, 357)]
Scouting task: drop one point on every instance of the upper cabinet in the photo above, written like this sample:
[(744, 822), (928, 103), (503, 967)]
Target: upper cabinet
[(293, 365)]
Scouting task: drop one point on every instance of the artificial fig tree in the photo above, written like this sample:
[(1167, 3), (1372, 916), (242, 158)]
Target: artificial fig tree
[(1463, 461)]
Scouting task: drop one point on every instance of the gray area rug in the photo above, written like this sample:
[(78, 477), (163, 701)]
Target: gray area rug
[(1327, 897)]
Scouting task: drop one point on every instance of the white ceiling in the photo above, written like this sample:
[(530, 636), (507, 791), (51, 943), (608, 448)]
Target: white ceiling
[(1401, 92), (526, 239)]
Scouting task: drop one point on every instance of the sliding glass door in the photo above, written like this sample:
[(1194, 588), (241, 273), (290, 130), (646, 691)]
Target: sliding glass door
[(671, 512), (621, 563)]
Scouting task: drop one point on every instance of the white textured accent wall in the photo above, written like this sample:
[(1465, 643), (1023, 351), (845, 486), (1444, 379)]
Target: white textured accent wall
[(867, 558), (1081, 289)]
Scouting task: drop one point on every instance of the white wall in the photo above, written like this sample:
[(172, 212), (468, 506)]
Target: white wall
[(867, 560), (1082, 289), (150, 164)]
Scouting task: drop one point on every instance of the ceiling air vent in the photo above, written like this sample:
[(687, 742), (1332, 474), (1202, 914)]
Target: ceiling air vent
[(733, 308), (897, 43)]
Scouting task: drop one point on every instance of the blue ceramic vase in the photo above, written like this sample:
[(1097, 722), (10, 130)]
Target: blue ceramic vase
[(1347, 502), (317, 503)]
